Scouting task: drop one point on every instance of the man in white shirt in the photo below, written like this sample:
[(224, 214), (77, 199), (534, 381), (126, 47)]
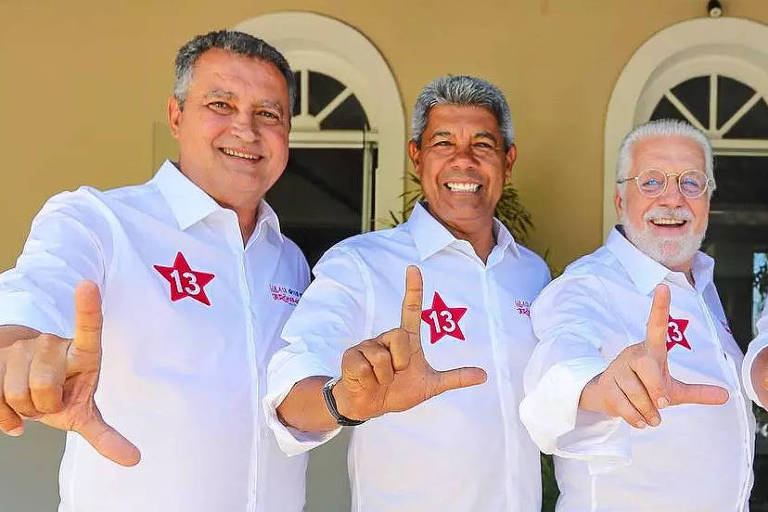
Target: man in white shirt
[(366, 349), (640, 415), (184, 268)]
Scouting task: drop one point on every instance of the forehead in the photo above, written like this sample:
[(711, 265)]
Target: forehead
[(455, 118), (222, 70), (672, 152)]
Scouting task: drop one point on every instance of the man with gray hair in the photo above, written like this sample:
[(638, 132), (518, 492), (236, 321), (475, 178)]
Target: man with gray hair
[(366, 350), (182, 268), (635, 384)]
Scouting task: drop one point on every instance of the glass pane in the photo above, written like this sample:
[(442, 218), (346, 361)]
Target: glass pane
[(297, 105), (694, 94), (347, 116), (731, 95), (322, 89), (319, 198), (754, 124), (666, 110), (742, 183), (737, 238)]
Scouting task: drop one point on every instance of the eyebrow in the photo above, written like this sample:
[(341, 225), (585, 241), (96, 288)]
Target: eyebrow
[(218, 93), (486, 135), (440, 134)]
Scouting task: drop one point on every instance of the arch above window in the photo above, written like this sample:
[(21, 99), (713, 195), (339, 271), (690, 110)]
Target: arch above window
[(705, 54), (322, 51)]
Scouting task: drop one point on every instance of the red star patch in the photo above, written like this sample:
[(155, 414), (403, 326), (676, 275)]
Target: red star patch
[(184, 281), (676, 333), (443, 320)]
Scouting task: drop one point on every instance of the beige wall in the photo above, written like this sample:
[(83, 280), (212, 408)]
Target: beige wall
[(83, 86)]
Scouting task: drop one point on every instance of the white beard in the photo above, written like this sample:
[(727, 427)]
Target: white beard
[(670, 251)]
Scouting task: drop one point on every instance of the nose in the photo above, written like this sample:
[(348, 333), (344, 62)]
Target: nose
[(463, 157), (244, 127)]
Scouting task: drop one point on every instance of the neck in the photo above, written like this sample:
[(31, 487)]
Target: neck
[(686, 268), (246, 208), (246, 219), (479, 233)]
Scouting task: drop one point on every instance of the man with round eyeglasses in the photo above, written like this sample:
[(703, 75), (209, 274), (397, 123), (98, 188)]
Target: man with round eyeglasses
[(636, 374)]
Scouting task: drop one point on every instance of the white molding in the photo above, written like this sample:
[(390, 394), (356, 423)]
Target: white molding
[(736, 47), (313, 41)]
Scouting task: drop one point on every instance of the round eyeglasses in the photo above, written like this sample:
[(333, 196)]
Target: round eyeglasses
[(653, 182)]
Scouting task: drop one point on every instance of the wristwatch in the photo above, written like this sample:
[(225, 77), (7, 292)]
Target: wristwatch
[(330, 402)]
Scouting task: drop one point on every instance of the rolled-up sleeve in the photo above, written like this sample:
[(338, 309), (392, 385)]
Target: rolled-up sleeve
[(64, 247), (571, 320), (754, 349), (334, 314)]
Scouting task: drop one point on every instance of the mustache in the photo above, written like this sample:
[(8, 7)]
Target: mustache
[(668, 213)]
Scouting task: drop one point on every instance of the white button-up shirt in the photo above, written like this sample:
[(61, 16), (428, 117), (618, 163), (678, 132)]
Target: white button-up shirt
[(700, 458), (465, 449), (191, 318)]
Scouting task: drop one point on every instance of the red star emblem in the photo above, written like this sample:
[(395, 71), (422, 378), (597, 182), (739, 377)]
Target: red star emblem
[(676, 333), (184, 281), (443, 320)]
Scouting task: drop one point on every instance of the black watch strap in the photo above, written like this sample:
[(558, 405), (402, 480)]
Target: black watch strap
[(330, 402)]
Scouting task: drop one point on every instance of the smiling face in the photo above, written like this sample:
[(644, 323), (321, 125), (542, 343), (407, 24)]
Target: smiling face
[(668, 228), (233, 128), (462, 164)]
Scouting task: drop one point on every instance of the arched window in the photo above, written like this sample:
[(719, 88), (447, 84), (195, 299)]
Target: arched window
[(347, 140)]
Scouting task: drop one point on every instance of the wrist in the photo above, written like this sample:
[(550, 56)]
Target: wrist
[(336, 402)]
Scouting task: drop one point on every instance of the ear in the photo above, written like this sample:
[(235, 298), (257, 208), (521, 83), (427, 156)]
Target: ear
[(174, 116), (509, 161), (414, 153), (618, 202)]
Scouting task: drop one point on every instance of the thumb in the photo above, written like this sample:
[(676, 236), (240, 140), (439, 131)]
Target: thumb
[(459, 378), (108, 441), (658, 325), (704, 394)]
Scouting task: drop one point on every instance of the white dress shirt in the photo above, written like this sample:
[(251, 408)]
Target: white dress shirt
[(191, 318), (700, 458), (465, 449)]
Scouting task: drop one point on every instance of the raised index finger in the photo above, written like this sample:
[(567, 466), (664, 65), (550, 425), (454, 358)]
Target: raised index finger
[(410, 315), (88, 320), (658, 324)]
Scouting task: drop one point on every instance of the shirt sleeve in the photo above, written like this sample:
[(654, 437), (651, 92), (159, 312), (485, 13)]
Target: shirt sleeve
[(571, 321), (333, 314), (63, 248), (757, 345)]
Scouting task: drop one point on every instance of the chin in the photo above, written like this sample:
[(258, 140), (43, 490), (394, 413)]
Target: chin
[(670, 251)]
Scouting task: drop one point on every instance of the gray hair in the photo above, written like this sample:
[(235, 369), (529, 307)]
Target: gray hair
[(662, 128), (236, 42), (466, 91)]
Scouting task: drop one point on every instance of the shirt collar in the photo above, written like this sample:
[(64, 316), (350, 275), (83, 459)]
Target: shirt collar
[(190, 204), (430, 236), (646, 272)]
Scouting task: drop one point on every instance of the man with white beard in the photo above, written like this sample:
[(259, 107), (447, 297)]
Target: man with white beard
[(644, 411)]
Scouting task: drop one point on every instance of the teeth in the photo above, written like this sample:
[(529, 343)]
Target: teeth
[(463, 187), (668, 222), (232, 152)]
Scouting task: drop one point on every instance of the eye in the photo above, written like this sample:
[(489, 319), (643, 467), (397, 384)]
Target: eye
[(652, 182), (483, 145), (268, 116), (219, 106), (443, 143)]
